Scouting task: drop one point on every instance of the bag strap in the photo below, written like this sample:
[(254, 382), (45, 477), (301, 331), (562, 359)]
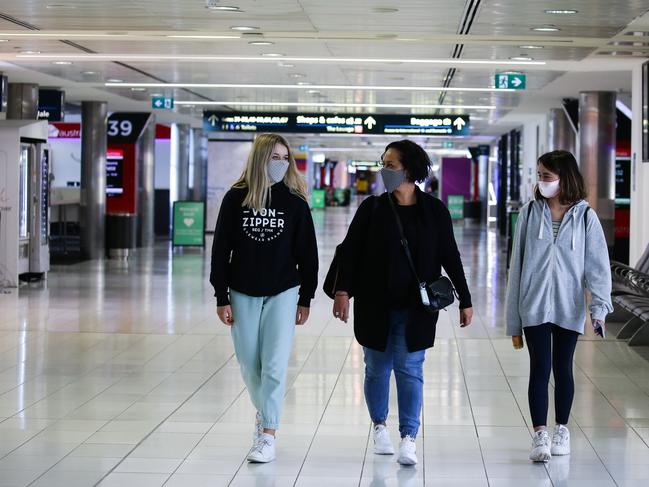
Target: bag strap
[(404, 241)]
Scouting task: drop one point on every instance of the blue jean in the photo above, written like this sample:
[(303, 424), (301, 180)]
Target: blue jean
[(408, 372), (263, 332)]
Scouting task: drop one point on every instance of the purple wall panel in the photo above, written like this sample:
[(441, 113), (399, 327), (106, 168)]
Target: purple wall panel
[(456, 177)]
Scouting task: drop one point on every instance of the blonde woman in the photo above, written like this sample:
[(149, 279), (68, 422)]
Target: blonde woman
[(264, 273)]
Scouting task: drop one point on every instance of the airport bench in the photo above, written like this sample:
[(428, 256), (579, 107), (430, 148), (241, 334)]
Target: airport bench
[(632, 296)]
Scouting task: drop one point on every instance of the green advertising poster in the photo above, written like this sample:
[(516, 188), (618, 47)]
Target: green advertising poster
[(456, 206), (189, 223), (318, 198)]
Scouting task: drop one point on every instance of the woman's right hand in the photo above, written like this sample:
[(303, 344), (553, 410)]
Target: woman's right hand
[(517, 342), (225, 314), (341, 307)]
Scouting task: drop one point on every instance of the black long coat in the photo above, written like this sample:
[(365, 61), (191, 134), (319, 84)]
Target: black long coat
[(372, 237)]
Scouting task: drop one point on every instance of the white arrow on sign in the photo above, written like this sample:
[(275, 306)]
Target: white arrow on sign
[(213, 120), (370, 122), (516, 82), (158, 103), (459, 123)]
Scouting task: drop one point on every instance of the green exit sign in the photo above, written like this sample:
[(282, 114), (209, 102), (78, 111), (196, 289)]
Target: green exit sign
[(162, 103), (510, 81)]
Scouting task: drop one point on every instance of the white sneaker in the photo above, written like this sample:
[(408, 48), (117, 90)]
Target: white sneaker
[(258, 428), (382, 442), (263, 451), (541, 447), (407, 451), (561, 441)]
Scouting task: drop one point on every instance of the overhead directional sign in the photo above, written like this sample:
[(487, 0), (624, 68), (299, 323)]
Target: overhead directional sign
[(510, 81), (344, 123), (160, 102)]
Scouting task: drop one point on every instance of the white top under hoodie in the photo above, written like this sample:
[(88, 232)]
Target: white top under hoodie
[(548, 278)]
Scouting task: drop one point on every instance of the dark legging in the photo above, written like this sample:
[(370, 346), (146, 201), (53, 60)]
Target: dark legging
[(551, 348)]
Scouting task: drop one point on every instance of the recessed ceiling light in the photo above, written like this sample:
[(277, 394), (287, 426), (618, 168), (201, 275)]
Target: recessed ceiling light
[(546, 28), (157, 94), (30, 52), (286, 65), (531, 47), (89, 73), (313, 92), (224, 8), (261, 43), (272, 54), (244, 27), (138, 89), (521, 58), (298, 75), (303, 83), (114, 80), (62, 63), (4, 40), (562, 12)]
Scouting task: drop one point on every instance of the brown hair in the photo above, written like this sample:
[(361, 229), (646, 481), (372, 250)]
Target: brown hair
[(572, 187)]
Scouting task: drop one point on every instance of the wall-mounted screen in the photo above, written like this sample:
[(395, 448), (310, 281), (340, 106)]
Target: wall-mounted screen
[(114, 173)]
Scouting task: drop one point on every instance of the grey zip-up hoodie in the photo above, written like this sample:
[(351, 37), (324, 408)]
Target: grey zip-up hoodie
[(548, 278)]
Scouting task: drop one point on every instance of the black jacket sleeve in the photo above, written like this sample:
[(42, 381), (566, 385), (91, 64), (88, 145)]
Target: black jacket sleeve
[(306, 255), (451, 261), (350, 250), (224, 237)]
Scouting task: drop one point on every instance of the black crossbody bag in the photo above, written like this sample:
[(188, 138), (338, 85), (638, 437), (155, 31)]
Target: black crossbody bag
[(436, 295)]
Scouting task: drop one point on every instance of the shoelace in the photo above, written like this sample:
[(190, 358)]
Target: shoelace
[(260, 445), (539, 440), (559, 437)]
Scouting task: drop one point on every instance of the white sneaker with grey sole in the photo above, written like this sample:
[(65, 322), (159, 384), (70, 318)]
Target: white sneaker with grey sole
[(382, 442), (561, 441), (407, 451), (541, 447)]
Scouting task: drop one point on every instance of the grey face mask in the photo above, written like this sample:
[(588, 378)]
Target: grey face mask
[(392, 179), (277, 170)]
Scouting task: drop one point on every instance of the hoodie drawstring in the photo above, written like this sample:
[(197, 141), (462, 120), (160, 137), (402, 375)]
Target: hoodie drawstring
[(574, 229), (542, 223)]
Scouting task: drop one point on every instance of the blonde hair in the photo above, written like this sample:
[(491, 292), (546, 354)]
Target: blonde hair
[(255, 176)]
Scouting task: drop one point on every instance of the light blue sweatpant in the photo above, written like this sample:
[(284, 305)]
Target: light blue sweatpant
[(263, 332)]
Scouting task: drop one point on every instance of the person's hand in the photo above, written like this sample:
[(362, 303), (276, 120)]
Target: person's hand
[(225, 314), (302, 315), (466, 316), (341, 306), (517, 342), (600, 327)]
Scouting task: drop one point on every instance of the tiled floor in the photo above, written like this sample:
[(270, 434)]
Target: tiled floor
[(120, 375)]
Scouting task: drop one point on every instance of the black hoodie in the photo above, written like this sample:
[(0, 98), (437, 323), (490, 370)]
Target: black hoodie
[(264, 253)]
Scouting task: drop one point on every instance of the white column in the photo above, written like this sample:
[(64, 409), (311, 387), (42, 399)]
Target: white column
[(639, 174)]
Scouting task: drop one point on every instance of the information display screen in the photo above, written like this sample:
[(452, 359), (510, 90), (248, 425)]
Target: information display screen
[(114, 173), (623, 181)]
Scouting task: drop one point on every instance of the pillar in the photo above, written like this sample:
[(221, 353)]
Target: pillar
[(639, 237), (94, 117), (23, 101), (198, 174), (561, 135), (179, 177), (146, 184), (483, 181), (597, 124)]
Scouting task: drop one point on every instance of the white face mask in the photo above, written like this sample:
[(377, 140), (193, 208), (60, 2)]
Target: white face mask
[(277, 170), (549, 189)]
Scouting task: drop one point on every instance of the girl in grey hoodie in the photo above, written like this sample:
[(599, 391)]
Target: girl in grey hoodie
[(559, 252)]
